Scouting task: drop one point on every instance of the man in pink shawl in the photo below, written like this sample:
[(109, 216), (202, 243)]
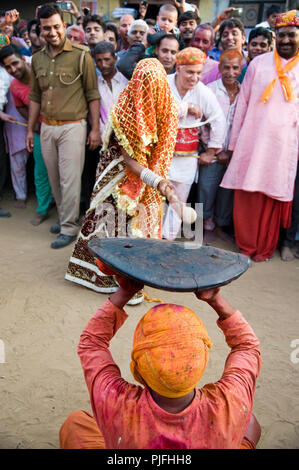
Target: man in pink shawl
[(264, 141)]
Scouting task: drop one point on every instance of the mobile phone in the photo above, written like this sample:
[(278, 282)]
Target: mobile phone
[(236, 13), (65, 5)]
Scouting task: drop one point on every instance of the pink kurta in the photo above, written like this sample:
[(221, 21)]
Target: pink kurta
[(264, 136), (210, 64), (128, 416)]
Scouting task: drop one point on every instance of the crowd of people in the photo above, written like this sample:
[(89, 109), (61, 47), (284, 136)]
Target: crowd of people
[(117, 117), (60, 81)]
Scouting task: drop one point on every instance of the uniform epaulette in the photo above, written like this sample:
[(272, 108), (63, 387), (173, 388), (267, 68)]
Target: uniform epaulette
[(81, 47)]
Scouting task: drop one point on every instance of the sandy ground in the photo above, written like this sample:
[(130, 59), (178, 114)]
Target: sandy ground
[(42, 316)]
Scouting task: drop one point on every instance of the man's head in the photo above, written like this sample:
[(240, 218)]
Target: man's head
[(52, 26), (111, 35), (137, 32), (105, 58), (167, 17), (94, 29), (259, 42), (190, 62), (271, 14), (40, 35), (166, 50), (13, 61), (287, 34), (230, 66), (75, 34), (170, 350), (203, 37), (31, 28), (187, 23), (232, 34), (123, 28), (23, 33)]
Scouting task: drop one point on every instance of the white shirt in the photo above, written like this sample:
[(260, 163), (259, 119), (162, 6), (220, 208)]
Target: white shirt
[(263, 24), (5, 80), (184, 169), (109, 97), (228, 109)]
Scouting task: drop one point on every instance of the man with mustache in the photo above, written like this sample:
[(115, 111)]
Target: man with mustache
[(264, 163), (187, 23), (63, 90)]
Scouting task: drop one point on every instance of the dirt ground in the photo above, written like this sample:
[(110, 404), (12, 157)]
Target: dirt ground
[(42, 316)]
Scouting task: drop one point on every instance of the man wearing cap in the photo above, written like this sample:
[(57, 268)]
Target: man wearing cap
[(170, 353), (264, 163), (197, 103), (64, 90)]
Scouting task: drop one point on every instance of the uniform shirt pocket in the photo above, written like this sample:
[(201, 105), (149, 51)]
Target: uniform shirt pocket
[(66, 75), (43, 79)]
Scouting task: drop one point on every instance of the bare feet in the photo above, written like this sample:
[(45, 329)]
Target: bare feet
[(20, 204), (38, 219), (286, 254), (260, 258)]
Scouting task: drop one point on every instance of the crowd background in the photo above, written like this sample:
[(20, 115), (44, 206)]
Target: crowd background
[(225, 88), (116, 46)]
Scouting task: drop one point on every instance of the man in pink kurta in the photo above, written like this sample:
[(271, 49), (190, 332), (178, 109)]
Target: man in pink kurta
[(128, 416), (264, 141)]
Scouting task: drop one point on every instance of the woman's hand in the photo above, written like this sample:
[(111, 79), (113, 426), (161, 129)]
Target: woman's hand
[(164, 186)]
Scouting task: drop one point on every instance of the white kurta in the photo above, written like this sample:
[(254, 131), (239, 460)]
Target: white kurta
[(184, 169)]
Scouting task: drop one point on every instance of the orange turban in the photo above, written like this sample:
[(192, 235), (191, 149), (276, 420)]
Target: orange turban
[(170, 350), (289, 18), (231, 54), (191, 56)]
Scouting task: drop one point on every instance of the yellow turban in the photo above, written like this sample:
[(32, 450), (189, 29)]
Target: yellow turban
[(170, 350), (289, 18)]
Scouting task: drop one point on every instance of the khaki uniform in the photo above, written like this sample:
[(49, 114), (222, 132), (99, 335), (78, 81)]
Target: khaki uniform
[(64, 85)]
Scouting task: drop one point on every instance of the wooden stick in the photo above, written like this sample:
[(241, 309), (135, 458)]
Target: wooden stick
[(21, 123)]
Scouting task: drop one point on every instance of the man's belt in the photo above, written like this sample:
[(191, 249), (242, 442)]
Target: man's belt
[(54, 122)]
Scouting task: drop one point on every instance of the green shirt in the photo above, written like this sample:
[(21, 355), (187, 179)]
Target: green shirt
[(54, 84)]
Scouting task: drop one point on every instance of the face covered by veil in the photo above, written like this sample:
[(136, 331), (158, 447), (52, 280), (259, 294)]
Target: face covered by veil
[(145, 121)]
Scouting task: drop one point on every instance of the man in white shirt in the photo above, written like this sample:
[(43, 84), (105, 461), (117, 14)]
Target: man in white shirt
[(110, 83), (197, 105)]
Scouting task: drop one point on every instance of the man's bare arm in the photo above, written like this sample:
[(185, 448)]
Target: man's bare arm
[(34, 111)]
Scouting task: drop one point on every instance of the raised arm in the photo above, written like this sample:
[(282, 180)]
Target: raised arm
[(243, 363)]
